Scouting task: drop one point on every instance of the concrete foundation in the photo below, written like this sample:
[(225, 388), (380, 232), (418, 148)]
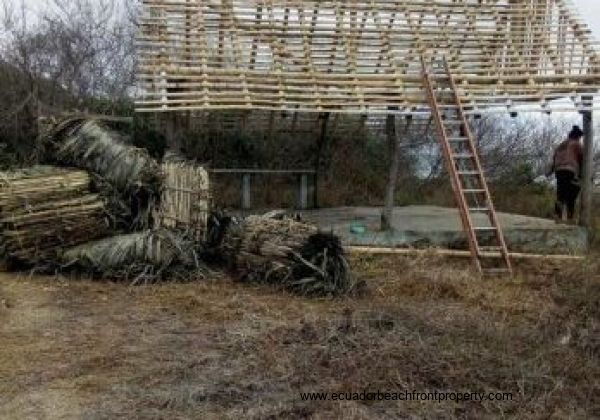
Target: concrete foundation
[(428, 226)]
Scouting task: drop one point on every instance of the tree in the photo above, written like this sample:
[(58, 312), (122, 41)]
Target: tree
[(83, 47), (68, 54)]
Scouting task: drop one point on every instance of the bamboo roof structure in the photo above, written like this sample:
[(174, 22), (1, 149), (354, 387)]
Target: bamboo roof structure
[(361, 56)]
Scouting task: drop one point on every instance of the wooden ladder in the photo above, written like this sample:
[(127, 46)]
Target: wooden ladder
[(479, 219)]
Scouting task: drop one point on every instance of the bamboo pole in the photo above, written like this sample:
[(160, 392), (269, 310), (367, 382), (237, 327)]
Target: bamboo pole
[(358, 56), (453, 253), (45, 209)]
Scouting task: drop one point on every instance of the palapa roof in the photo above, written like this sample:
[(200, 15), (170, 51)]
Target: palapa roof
[(358, 56)]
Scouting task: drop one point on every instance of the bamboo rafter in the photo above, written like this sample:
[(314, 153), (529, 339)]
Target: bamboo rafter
[(359, 56)]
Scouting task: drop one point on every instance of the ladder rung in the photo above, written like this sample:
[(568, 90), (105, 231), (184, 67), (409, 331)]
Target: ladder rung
[(458, 139), (480, 210), (453, 122), (490, 248), (485, 229), (469, 173), (463, 156), (474, 191), (490, 255)]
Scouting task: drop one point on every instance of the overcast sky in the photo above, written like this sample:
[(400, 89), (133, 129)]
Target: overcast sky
[(589, 10)]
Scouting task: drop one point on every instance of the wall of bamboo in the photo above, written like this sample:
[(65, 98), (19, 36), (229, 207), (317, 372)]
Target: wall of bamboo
[(358, 56), (185, 201)]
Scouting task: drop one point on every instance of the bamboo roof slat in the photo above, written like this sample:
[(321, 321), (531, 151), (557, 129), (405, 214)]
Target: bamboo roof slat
[(359, 56)]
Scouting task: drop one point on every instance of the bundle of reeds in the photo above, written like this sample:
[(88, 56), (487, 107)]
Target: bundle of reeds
[(288, 253), (43, 210), (127, 176), (142, 257)]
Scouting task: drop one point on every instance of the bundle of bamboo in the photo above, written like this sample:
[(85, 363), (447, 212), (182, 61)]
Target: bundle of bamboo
[(139, 257), (44, 210), (288, 253)]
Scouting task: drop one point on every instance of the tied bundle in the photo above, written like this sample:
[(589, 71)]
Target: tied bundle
[(128, 177), (287, 253), (44, 210), (142, 257)]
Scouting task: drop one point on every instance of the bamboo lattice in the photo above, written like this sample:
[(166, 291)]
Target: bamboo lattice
[(358, 56), (185, 201)]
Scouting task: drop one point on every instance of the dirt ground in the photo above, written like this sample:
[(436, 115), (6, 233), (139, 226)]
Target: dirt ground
[(76, 349)]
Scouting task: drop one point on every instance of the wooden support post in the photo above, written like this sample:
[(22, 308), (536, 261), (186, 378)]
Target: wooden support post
[(172, 133), (312, 188), (303, 192), (271, 129), (315, 191), (320, 147), (390, 194), (246, 192), (393, 140), (587, 191)]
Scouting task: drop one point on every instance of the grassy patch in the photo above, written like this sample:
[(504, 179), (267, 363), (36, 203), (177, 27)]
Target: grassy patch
[(219, 349)]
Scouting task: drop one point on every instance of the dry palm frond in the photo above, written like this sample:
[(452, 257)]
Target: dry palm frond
[(93, 147), (129, 211), (288, 253), (139, 257), (128, 178)]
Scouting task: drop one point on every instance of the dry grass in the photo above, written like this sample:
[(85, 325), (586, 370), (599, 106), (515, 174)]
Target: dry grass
[(217, 349)]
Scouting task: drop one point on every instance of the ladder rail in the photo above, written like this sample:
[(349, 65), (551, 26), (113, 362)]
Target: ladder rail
[(454, 177), (474, 170), (477, 160)]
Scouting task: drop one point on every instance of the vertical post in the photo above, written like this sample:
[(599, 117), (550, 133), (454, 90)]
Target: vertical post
[(188, 57), (390, 193), (303, 192), (172, 133), (271, 129), (587, 175), (320, 146), (246, 194), (315, 190)]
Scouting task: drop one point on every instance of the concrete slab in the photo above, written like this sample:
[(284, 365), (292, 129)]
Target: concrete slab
[(429, 226)]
